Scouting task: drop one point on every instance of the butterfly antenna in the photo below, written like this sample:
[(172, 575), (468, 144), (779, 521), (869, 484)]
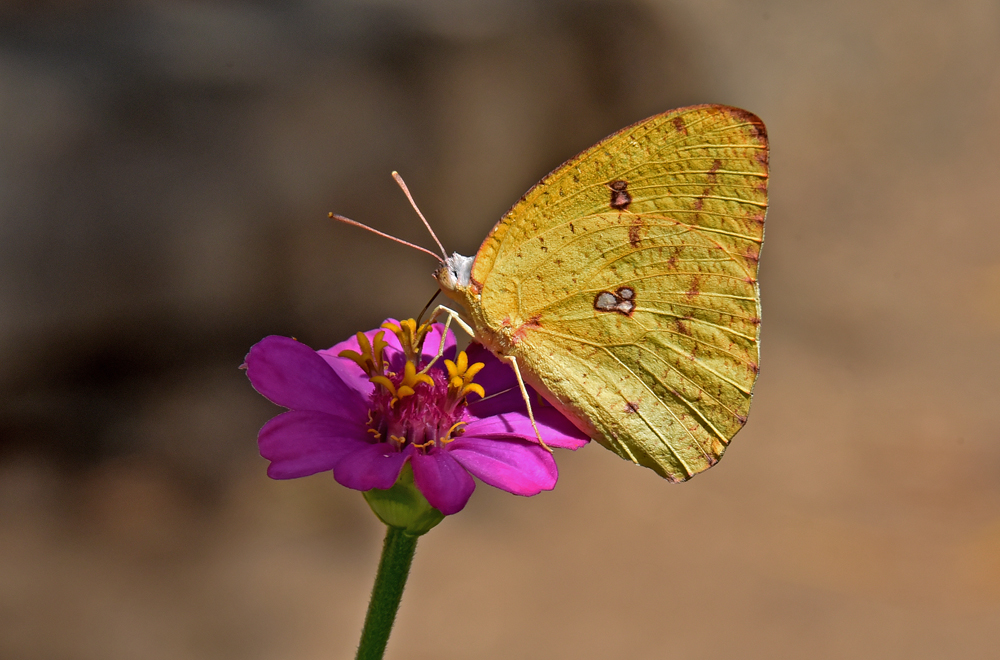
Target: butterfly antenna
[(348, 221), (406, 191), (495, 394)]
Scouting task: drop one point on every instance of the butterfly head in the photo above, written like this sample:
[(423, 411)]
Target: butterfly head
[(455, 274)]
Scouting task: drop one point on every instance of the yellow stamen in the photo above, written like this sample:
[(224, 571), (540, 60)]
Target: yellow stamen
[(370, 358), (366, 348), (384, 382), (378, 348), (411, 377), (460, 375), (411, 337), (450, 435), (356, 357), (474, 387), (474, 369)]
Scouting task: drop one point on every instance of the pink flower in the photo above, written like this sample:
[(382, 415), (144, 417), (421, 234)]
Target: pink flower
[(366, 406)]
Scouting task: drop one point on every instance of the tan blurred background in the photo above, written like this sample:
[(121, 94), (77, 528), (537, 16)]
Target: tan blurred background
[(165, 173)]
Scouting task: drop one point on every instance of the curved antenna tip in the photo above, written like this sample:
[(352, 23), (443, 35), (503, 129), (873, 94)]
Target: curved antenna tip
[(406, 191)]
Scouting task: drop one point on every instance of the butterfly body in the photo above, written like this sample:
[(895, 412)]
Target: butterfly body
[(625, 285)]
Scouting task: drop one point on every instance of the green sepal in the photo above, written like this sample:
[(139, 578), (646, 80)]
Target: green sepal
[(403, 506)]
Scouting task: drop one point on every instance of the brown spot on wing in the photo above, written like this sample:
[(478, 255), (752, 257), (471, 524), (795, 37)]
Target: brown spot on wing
[(522, 331), (620, 197), (700, 199), (680, 125), (712, 173), (633, 232), (694, 290), (632, 407), (621, 301), (756, 126)]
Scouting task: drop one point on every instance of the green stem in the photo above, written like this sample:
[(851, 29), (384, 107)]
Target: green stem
[(393, 569)]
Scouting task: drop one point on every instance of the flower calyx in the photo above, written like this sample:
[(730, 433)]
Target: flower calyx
[(403, 506)]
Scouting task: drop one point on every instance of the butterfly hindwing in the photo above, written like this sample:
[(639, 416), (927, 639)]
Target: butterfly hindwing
[(626, 282)]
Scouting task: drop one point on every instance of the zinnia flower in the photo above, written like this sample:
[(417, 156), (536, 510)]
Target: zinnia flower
[(367, 406)]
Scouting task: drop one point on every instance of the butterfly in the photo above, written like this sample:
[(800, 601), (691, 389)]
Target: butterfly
[(624, 286)]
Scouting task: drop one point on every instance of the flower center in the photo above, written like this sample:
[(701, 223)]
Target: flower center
[(417, 406)]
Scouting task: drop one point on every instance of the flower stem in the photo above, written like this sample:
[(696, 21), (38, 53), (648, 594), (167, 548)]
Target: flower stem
[(393, 569)]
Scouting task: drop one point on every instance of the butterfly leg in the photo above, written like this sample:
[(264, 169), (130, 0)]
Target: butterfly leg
[(527, 400), (452, 316)]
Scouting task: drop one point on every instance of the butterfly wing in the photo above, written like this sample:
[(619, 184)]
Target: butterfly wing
[(625, 283)]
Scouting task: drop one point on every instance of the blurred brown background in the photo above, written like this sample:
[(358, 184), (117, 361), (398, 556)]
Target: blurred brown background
[(165, 173)]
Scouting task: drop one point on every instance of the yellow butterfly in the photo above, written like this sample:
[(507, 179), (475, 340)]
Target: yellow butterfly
[(624, 286)]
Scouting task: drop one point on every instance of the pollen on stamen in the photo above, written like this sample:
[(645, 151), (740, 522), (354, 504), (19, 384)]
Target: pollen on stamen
[(415, 407)]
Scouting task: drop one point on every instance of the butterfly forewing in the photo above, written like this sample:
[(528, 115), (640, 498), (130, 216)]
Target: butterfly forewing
[(628, 280)]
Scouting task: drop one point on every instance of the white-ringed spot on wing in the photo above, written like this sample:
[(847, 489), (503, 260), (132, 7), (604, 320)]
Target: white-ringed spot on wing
[(621, 301)]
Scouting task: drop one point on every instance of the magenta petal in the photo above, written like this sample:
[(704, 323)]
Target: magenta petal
[(495, 377), (300, 443), (556, 430), (349, 371), (293, 375), (516, 467), (370, 466), (443, 481)]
